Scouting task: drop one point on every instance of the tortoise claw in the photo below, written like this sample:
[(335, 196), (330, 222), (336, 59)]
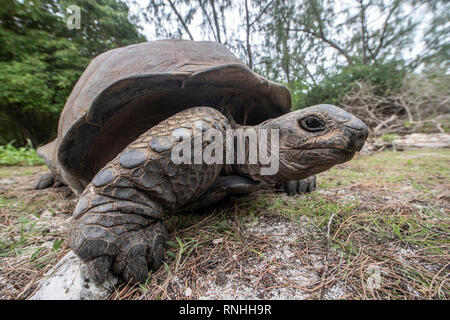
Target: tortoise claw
[(130, 254), (110, 235), (300, 187), (99, 268), (141, 251)]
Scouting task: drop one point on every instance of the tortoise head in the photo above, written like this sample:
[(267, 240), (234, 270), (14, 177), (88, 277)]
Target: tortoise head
[(314, 139)]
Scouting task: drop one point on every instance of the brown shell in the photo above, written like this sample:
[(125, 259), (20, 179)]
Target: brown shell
[(125, 91)]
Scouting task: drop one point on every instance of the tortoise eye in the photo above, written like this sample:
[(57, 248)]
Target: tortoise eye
[(312, 123)]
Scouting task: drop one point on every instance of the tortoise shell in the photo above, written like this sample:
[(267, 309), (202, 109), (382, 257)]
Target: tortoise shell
[(125, 91)]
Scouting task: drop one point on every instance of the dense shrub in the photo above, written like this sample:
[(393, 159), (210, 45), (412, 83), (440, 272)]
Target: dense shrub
[(41, 59), (385, 78)]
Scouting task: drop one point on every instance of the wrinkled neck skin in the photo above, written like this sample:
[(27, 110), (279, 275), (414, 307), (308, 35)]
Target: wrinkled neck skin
[(289, 168), (245, 169), (295, 160)]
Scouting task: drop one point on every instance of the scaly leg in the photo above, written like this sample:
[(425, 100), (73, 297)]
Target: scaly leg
[(118, 235), (117, 225)]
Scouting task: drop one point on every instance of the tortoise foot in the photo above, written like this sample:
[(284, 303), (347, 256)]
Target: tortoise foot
[(125, 250), (48, 180), (300, 187), (119, 236)]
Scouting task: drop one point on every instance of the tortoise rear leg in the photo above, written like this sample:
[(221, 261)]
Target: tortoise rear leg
[(47, 180)]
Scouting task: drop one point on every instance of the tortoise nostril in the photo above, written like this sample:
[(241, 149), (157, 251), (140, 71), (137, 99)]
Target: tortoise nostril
[(358, 138)]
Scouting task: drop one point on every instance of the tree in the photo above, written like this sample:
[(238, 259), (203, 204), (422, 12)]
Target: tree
[(308, 43), (170, 18), (343, 32), (40, 60), (286, 55), (105, 24), (437, 37)]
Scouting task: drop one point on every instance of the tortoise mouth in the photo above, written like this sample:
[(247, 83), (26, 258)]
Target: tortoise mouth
[(343, 150), (339, 149), (335, 154), (316, 157)]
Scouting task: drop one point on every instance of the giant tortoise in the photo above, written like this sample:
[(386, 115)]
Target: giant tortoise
[(133, 106)]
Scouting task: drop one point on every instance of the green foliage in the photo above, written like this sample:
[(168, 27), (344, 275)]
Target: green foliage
[(385, 77), (10, 155), (41, 59), (389, 137), (298, 90)]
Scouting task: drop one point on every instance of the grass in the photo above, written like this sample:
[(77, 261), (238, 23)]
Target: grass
[(32, 229), (368, 232), (417, 168), (26, 235), (385, 211), (382, 217), (24, 225)]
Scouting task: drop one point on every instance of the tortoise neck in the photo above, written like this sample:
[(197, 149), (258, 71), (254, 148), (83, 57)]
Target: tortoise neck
[(243, 160)]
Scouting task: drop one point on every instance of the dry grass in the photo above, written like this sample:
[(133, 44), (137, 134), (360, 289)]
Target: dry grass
[(32, 229), (377, 229)]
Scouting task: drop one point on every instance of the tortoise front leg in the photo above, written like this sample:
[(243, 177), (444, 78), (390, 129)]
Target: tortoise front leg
[(118, 235), (117, 226)]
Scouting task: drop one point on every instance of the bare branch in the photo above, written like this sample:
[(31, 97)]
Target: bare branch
[(261, 13), (362, 15), (248, 26), (216, 21), (326, 40), (321, 35), (308, 72), (180, 18), (202, 6), (385, 26)]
